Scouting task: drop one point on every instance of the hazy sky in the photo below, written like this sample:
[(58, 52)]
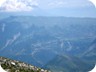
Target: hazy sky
[(29, 5)]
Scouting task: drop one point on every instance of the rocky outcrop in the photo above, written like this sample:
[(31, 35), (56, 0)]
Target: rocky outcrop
[(9, 65)]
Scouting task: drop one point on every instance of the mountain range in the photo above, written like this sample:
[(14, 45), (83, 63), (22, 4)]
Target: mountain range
[(56, 43)]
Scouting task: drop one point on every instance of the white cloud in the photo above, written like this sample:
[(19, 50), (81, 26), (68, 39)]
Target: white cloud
[(2, 1), (17, 5), (68, 3), (29, 5), (57, 4)]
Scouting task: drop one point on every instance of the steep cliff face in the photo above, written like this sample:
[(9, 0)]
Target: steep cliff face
[(8, 65)]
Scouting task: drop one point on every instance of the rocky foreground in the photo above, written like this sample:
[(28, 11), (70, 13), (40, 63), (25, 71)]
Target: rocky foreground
[(15, 66)]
